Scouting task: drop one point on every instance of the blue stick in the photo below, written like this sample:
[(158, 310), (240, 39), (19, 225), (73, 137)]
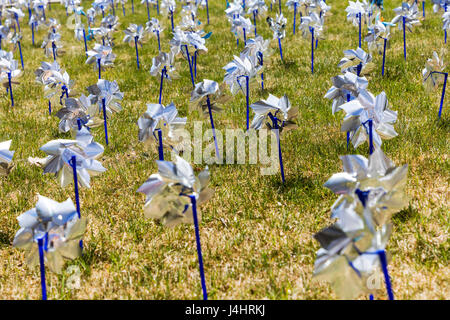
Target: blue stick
[(404, 38), (99, 68), (85, 44), (10, 89), (247, 80), (359, 17), (387, 280), (163, 72), (384, 56), (277, 133), (199, 247), (281, 50), (159, 42), (73, 164), (157, 6), (20, 52), (42, 268), (443, 94), (245, 38), (348, 132), (171, 19), (212, 126), (132, 6), (261, 62), (137, 53), (207, 11), (104, 120), (49, 107), (148, 10), (312, 49), (123, 10), (113, 10), (32, 34), (279, 5), (160, 146), (370, 136), (190, 65), (254, 20), (295, 15), (423, 9)]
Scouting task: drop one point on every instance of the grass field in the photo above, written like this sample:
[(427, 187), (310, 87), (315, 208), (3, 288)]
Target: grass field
[(256, 233)]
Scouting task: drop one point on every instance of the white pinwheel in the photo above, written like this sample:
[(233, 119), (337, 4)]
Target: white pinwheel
[(6, 156)]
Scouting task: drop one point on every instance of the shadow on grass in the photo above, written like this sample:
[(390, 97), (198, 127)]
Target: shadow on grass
[(405, 215)]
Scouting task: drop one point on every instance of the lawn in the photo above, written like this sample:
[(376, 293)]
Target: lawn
[(256, 232)]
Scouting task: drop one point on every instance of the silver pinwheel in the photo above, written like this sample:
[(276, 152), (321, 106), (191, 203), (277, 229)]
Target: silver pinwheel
[(50, 233), (160, 124), (407, 17), (172, 196), (434, 75), (276, 114), (311, 27), (108, 97), (101, 57), (9, 70), (278, 27), (135, 35), (155, 28), (356, 61)]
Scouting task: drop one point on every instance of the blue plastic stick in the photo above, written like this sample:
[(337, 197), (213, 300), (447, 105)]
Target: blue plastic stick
[(137, 52), (99, 68), (190, 66), (247, 83), (443, 94), (10, 89), (20, 52), (159, 40), (132, 6), (404, 37), (387, 280), (73, 164), (199, 247), (160, 146), (157, 6), (281, 50), (104, 120), (312, 49), (370, 136), (49, 107), (171, 19), (207, 11), (212, 126), (254, 20), (359, 17), (32, 34), (245, 37), (85, 44), (423, 9), (384, 56), (348, 132), (42, 268), (163, 72), (148, 10), (295, 16), (123, 10), (53, 50), (279, 5)]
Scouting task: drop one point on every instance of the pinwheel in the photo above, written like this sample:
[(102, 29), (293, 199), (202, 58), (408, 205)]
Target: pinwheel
[(241, 67), (206, 96), (240, 26), (440, 4), (168, 7), (101, 5), (15, 40), (78, 112), (234, 10), (345, 87), (433, 75), (9, 69), (163, 65), (446, 24), (165, 121), (155, 28), (52, 45), (378, 37), (39, 7), (103, 33), (13, 14), (355, 11), (408, 14), (277, 114), (70, 5), (371, 191), (108, 96), (369, 117), (257, 49), (54, 79), (101, 56), (356, 61), (4, 33), (278, 28), (135, 34), (256, 8), (183, 39), (167, 199), (56, 229), (312, 27), (190, 9), (90, 15), (293, 5), (5, 157)]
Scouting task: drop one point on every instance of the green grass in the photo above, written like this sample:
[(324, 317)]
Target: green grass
[(256, 233)]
